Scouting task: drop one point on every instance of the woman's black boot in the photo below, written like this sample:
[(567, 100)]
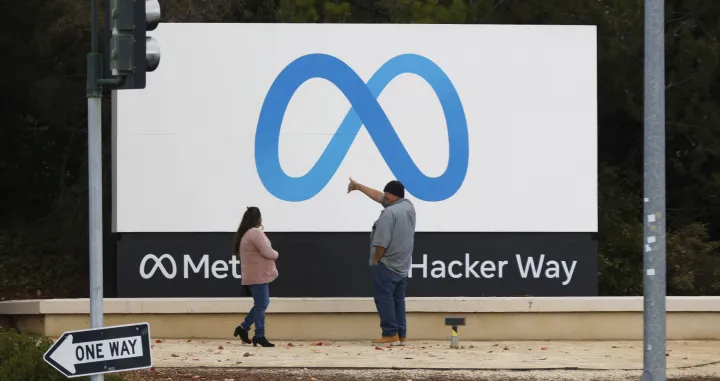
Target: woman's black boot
[(240, 331), (263, 341)]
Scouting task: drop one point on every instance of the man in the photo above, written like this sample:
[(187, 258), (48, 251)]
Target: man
[(391, 248)]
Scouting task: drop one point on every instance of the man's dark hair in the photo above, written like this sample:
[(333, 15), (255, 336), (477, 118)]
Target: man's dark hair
[(395, 187)]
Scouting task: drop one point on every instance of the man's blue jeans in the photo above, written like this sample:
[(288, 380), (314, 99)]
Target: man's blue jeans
[(261, 300), (389, 290)]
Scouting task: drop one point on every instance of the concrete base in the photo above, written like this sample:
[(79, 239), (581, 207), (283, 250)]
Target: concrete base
[(598, 318)]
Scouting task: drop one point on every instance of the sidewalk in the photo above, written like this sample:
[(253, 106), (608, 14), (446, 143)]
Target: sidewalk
[(431, 355)]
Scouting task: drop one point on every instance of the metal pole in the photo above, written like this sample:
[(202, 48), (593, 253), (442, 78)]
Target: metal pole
[(654, 335), (94, 97)]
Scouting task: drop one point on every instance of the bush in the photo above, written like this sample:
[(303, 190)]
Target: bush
[(21, 359)]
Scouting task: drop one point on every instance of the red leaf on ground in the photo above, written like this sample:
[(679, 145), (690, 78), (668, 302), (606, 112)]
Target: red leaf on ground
[(379, 349), (221, 347), (188, 341), (544, 348)]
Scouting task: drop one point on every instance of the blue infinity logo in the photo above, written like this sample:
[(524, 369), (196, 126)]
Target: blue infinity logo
[(365, 111)]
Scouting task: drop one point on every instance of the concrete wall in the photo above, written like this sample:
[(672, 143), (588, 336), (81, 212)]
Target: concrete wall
[(592, 318)]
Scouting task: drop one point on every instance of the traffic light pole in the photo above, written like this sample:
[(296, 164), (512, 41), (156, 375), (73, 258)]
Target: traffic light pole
[(94, 99)]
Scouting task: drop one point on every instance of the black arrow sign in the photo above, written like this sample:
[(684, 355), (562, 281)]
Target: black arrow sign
[(101, 350)]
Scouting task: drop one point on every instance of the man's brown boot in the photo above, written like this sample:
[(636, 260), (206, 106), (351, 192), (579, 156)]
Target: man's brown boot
[(385, 340)]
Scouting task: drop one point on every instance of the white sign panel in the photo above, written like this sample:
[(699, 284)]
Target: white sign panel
[(491, 128)]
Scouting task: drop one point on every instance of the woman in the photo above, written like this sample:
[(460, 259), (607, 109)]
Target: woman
[(257, 269)]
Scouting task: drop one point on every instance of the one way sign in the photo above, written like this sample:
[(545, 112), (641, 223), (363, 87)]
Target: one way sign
[(101, 350)]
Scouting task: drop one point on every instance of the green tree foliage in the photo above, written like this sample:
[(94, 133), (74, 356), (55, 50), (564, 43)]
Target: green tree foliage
[(42, 139), (21, 359)]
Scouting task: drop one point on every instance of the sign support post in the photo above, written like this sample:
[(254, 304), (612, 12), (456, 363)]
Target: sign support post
[(654, 267)]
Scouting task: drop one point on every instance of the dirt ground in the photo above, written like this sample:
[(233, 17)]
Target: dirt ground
[(236, 374), (424, 360)]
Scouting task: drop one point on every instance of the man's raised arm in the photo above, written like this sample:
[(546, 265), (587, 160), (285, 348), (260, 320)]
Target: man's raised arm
[(373, 194)]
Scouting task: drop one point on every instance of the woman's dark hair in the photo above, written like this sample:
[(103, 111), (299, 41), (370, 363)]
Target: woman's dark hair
[(251, 219)]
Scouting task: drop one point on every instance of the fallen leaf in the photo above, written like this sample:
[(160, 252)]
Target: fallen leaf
[(408, 358), (247, 354), (221, 347), (544, 348), (238, 362), (472, 346), (506, 348), (290, 345), (174, 355), (158, 341), (667, 355), (614, 346), (196, 359), (378, 349), (495, 345), (489, 351), (188, 341)]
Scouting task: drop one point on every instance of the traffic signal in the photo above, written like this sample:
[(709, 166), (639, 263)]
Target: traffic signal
[(132, 52)]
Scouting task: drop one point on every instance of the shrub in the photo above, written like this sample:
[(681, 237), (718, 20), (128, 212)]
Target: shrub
[(21, 359)]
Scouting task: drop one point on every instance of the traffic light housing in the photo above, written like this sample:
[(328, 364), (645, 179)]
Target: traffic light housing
[(132, 53)]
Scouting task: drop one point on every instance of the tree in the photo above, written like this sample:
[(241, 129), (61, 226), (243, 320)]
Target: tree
[(42, 142)]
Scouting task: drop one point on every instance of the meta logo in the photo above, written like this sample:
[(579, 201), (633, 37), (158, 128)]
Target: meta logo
[(365, 111), (166, 265)]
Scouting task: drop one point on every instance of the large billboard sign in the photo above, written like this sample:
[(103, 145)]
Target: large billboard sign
[(491, 128)]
